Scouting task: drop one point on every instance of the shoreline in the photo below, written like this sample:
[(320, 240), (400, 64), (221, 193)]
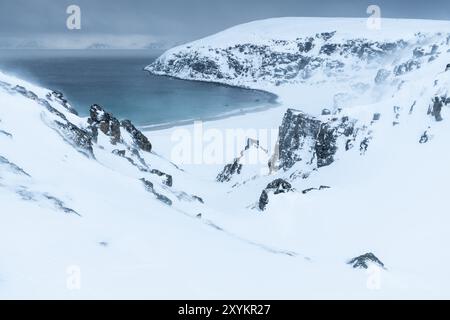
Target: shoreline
[(273, 100), (181, 123)]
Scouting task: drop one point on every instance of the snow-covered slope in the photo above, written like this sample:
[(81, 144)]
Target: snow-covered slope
[(89, 195), (296, 55), (351, 173), (359, 163)]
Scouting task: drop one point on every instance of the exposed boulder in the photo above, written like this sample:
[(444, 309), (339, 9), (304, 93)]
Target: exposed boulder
[(376, 116), (229, 170), (365, 260), (436, 108), (106, 122), (275, 187)]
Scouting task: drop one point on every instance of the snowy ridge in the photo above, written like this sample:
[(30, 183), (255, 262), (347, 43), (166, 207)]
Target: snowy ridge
[(351, 168), (356, 177)]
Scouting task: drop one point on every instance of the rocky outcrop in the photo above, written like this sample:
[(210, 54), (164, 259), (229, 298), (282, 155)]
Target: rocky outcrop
[(275, 187), (365, 260), (138, 137), (75, 136), (12, 166), (167, 177), (59, 97), (297, 139), (109, 125), (436, 107), (235, 168), (149, 187), (306, 139), (105, 122), (275, 61), (229, 171)]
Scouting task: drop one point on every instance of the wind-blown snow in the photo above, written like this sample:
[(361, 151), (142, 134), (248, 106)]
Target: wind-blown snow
[(60, 208)]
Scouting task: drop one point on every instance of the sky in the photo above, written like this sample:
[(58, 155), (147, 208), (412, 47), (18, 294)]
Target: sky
[(140, 22)]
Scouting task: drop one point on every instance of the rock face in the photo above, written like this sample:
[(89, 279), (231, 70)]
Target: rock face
[(365, 260), (303, 138), (235, 168), (59, 97), (110, 126), (297, 138), (106, 122), (229, 171), (275, 187), (276, 61), (139, 139), (77, 137)]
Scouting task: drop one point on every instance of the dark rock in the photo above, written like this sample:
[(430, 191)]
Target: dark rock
[(167, 177), (276, 187), (364, 145), (198, 198), (235, 167), (229, 170), (406, 67), (305, 138), (79, 138), (138, 137), (297, 138), (9, 135), (15, 168), (424, 138), (120, 153), (326, 112), (311, 189), (376, 116), (435, 110), (364, 260), (263, 200), (149, 187), (106, 122), (59, 204), (59, 97)]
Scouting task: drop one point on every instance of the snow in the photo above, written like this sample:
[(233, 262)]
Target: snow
[(390, 201)]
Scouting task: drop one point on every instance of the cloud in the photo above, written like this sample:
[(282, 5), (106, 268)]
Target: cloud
[(177, 20)]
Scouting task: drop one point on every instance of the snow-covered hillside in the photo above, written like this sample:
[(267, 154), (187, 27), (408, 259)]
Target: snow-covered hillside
[(359, 163), (346, 198)]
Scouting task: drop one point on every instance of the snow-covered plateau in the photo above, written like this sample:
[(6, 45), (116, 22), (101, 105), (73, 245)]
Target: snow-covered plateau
[(338, 192)]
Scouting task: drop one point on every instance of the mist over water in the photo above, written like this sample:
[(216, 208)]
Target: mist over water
[(115, 79)]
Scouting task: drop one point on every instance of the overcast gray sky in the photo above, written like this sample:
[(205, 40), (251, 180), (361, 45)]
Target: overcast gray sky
[(183, 20)]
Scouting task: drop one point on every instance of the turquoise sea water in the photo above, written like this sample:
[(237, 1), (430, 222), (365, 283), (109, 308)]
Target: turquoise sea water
[(115, 79)]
